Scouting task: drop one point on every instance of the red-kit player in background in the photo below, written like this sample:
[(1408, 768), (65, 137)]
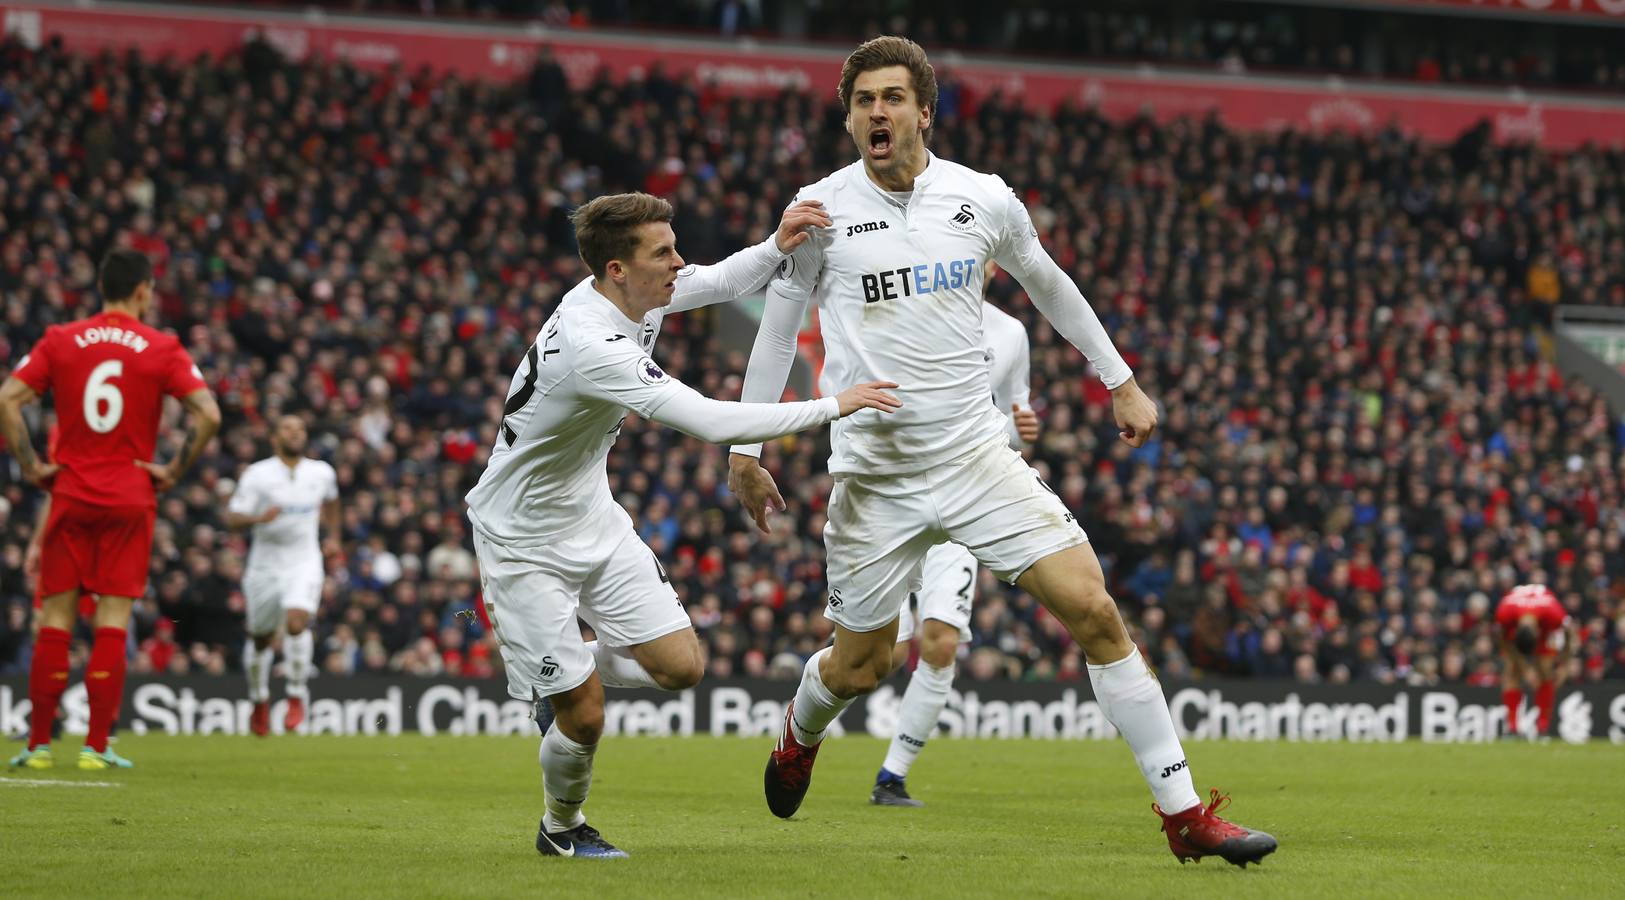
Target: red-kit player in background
[(1535, 644), (109, 375)]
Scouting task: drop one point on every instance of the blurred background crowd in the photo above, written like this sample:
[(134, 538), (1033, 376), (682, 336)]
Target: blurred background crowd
[(1427, 45), (1364, 441)]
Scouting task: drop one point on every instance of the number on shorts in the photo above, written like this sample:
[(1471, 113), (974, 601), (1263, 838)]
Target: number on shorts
[(99, 391), (970, 579)]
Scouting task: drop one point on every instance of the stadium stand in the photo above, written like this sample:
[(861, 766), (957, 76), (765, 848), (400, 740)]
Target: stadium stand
[(1365, 440)]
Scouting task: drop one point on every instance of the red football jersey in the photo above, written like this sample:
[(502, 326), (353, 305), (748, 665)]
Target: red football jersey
[(1530, 600), (110, 374)]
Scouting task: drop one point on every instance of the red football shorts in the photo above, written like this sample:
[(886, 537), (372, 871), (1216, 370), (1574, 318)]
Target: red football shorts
[(104, 550)]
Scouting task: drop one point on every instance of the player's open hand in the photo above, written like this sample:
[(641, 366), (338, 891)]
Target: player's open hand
[(163, 477), (31, 562), (41, 474), (755, 488), (871, 395), (799, 220), (1135, 412), (1026, 423)]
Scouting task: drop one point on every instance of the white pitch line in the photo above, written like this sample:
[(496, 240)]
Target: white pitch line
[(45, 782)]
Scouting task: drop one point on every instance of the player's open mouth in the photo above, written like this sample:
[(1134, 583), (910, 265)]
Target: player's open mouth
[(880, 142)]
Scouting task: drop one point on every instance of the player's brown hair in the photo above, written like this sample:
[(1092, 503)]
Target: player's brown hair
[(882, 52), (606, 227), (122, 271)]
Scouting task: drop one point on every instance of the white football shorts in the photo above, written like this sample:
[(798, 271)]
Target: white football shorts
[(270, 593), (881, 527), (600, 572), (946, 592)]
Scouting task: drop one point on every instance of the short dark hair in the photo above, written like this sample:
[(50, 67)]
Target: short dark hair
[(121, 273), (1525, 639), (606, 227), (886, 51)]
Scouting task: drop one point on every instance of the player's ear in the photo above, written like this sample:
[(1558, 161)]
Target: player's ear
[(614, 271), (925, 118), (848, 121)]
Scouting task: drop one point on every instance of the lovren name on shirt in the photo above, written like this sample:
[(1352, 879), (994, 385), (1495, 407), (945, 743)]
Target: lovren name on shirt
[(108, 334)]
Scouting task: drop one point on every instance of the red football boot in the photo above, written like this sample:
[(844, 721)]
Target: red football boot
[(789, 771), (260, 722), (1199, 832), (295, 716)]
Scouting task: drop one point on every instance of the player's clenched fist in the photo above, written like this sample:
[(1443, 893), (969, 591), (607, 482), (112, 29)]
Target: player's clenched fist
[(799, 220), (1026, 423), (870, 395), (1135, 412)]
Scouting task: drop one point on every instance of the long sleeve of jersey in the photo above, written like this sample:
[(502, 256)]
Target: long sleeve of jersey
[(1015, 385), (1056, 296), (774, 353), (730, 279), (721, 422)]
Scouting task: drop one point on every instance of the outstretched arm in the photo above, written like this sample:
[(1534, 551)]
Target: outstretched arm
[(746, 270), (1059, 299)]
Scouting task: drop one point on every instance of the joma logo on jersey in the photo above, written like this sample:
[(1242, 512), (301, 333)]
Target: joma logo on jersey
[(866, 226), (925, 278)]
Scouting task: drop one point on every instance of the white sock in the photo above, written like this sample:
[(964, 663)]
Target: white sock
[(1131, 698), (618, 668), (815, 706), (298, 650), (917, 718), (257, 665), (566, 778)]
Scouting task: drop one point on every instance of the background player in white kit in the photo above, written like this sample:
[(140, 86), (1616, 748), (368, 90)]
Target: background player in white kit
[(946, 591), (287, 499), (897, 280), (551, 540)]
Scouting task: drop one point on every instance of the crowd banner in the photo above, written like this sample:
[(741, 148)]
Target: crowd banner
[(1206, 710), (753, 68)]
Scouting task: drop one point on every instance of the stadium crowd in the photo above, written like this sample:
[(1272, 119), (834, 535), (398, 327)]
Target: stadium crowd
[(1483, 47), (1363, 443)]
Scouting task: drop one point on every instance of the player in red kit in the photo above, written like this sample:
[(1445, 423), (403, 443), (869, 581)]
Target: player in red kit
[(109, 375), (1535, 642)]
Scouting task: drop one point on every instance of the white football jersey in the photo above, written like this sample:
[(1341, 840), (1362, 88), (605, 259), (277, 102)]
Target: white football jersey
[(899, 291), (588, 366), (1009, 356), (291, 540)]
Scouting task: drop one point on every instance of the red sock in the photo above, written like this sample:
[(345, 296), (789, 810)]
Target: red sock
[(1545, 695), (104, 683), (1512, 698), (47, 679)]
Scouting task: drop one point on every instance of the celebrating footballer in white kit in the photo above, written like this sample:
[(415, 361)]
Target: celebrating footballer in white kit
[(946, 589), (286, 499), (897, 281), (552, 542)]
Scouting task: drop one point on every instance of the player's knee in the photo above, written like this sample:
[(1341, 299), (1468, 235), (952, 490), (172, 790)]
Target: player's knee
[(939, 650), (582, 722), (680, 676)]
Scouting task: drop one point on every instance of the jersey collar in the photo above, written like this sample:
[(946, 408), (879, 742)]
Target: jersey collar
[(921, 181), (606, 304)]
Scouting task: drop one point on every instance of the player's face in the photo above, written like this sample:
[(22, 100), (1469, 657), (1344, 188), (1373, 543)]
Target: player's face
[(650, 275), (290, 436), (886, 121)]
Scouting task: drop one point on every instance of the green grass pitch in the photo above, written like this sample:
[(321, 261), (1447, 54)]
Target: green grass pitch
[(421, 817)]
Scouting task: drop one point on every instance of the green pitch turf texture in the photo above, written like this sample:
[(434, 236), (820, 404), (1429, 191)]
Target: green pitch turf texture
[(419, 817)]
